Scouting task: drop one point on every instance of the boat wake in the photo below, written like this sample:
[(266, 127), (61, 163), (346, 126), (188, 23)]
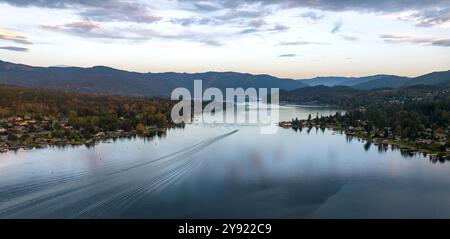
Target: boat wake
[(108, 193)]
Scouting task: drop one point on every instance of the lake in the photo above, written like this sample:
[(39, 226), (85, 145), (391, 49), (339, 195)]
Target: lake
[(225, 171)]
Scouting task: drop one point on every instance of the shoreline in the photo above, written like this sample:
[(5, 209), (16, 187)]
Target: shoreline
[(8, 146), (402, 144)]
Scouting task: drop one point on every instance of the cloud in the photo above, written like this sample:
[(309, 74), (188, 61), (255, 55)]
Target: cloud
[(279, 28), (275, 28), (14, 48), (14, 37), (427, 41), (237, 13), (337, 27), (312, 15), (248, 19), (441, 42), (350, 38), (288, 55), (191, 36), (206, 6), (195, 21), (83, 25), (98, 17), (52, 3), (236, 18), (80, 26), (249, 30), (128, 13), (257, 23), (210, 42), (429, 18), (93, 30), (97, 10), (426, 12), (297, 43), (336, 5)]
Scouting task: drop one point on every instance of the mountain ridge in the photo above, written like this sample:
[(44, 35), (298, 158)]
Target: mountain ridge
[(109, 80)]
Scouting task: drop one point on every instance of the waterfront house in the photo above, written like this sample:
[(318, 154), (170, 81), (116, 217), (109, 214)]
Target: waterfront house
[(24, 123), (100, 134)]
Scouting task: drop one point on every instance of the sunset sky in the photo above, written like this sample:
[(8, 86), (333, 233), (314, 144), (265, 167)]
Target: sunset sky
[(295, 39)]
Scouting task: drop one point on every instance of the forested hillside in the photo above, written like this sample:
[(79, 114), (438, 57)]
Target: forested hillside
[(36, 117)]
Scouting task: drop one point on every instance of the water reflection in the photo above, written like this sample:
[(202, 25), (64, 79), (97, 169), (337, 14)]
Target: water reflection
[(202, 171), (381, 147)]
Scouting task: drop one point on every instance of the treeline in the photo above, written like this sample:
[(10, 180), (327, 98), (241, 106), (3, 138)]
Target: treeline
[(425, 124), (415, 117), (347, 97), (409, 120)]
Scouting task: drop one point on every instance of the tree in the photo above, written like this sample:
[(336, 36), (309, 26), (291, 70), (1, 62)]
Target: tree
[(140, 128)]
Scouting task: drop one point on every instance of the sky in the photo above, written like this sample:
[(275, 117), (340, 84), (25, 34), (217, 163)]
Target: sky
[(285, 38)]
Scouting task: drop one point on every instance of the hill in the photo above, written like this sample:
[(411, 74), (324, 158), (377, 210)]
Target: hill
[(110, 81), (441, 78), (106, 80), (349, 97), (346, 81), (382, 81)]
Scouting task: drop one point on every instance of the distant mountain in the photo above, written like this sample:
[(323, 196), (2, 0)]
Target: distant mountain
[(328, 81), (441, 78), (343, 81), (382, 81), (106, 80)]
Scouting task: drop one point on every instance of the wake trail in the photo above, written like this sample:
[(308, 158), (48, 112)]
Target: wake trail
[(191, 148), (169, 170)]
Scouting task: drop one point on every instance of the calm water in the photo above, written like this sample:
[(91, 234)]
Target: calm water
[(205, 171)]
